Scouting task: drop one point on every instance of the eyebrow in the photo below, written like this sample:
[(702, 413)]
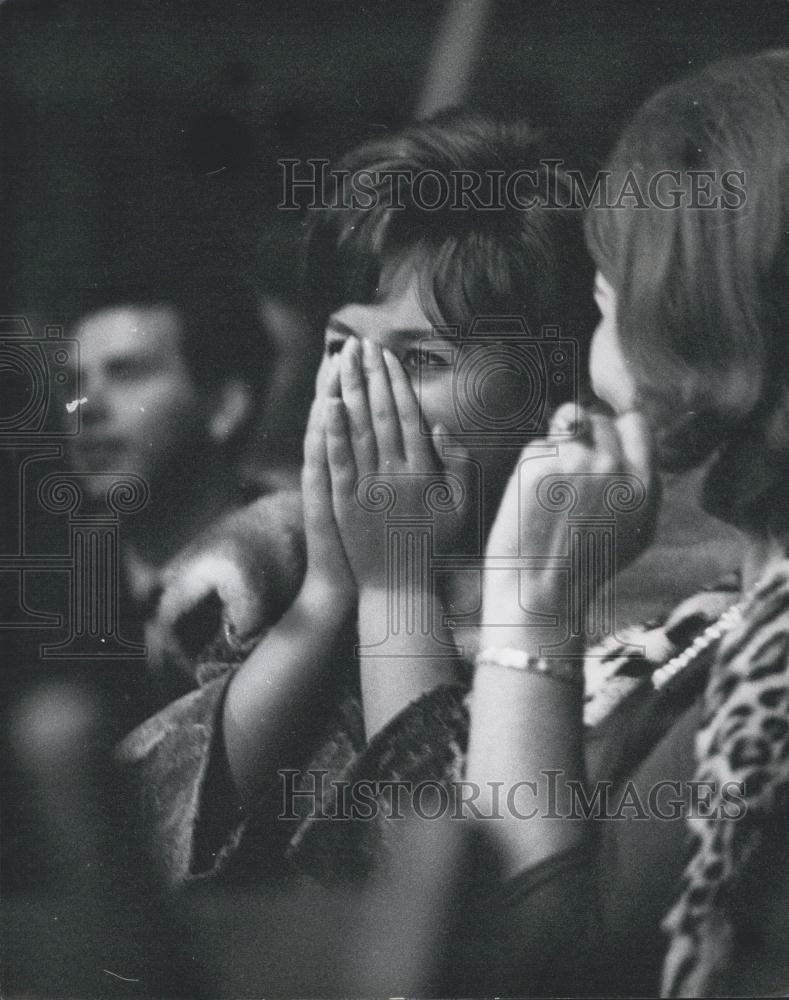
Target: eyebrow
[(338, 327), (410, 334)]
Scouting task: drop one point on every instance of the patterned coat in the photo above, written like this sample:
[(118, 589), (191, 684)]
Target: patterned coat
[(609, 898)]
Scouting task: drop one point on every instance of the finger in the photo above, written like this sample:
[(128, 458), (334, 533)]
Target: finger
[(342, 468), (588, 429), (416, 445), (322, 373), (315, 479), (313, 435), (327, 381), (315, 459), (354, 396), (332, 387), (568, 420), (386, 422)]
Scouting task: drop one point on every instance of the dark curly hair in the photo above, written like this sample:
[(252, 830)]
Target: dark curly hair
[(489, 258)]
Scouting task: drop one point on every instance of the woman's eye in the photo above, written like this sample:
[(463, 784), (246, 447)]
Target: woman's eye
[(411, 360), (419, 359), (334, 345)]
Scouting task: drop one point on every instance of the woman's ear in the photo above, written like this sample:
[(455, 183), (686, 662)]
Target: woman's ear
[(231, 410)]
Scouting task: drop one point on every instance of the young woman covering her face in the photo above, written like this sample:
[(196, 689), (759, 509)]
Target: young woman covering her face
[(398, 284)]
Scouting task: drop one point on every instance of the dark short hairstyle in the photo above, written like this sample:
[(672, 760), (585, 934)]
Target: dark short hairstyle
[(222, 333), (703, 293), (471, 261)]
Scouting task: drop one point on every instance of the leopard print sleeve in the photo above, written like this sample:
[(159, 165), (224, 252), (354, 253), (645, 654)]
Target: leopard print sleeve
[(742, 752)]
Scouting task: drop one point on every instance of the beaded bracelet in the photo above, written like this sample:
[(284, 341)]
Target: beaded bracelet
[(568, 671)]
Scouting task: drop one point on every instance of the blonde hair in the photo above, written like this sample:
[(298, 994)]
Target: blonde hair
[(703, 285)]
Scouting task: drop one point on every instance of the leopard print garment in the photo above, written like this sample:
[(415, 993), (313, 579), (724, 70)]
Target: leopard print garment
[(744, 738)]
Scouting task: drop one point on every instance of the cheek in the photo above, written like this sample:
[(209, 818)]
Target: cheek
[(160, 410), (596, 365), (512, 396), (437, 403), (485, 401), (610, 375), (161, 445)]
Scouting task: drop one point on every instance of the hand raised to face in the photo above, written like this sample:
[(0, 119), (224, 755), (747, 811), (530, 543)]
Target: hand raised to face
[(375, 435), (606, 453), (328, 572)]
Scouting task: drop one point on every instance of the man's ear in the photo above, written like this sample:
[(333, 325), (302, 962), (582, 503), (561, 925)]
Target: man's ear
[(232, 407)]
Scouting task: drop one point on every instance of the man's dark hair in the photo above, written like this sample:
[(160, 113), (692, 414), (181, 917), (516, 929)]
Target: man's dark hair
[(471, 261), (222, 333)]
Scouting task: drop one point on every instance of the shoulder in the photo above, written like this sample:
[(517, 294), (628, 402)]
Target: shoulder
[(229, 584), (618, 665), (751, 670), (757, 648)]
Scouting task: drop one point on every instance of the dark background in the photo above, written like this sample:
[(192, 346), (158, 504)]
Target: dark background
[(149, 130)]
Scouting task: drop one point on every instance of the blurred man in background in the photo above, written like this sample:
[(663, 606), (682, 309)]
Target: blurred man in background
[(171, 377)]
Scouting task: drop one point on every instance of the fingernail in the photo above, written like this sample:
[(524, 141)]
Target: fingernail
[(370, 353), (565, 421), (389, 358)]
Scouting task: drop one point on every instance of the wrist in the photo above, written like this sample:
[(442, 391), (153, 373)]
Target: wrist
[(501, 630), (512, 601), (567, 667), (376, 591)]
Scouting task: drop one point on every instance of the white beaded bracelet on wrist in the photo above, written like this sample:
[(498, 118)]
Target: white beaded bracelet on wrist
[(565, 670)]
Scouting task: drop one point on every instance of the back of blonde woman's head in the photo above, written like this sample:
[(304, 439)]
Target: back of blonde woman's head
[(694, 239)]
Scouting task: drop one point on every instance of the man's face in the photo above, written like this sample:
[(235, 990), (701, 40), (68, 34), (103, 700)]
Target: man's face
[(142, 411)]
